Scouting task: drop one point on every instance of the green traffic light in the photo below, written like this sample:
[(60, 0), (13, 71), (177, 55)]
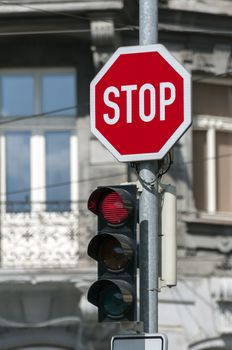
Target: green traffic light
[(112, 300)]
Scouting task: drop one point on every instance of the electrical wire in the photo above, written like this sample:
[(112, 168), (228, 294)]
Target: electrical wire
[(67, 31), (32, 116), (148, 185), (68, 14), (198, 295), (60, 184), (170, 162), (75, 16), (15, 119), (194, 318), (119, 27), (161, 172), (219, 75), (206, 159), (47, 12)]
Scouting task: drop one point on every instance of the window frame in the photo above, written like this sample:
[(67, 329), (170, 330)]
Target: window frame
[(211, 124), (38, 127)]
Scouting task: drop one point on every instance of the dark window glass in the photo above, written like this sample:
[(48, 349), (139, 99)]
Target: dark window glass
[(224, 171), (212, 99), (58, 171), (18, 172), (200, 169)]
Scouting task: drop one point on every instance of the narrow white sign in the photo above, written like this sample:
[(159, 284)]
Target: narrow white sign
[(139, 342)]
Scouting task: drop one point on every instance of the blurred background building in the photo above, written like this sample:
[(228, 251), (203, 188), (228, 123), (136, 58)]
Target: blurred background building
[(50, 163)]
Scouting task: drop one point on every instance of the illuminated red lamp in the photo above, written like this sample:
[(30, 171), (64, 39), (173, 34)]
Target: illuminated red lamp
[(113, 205)]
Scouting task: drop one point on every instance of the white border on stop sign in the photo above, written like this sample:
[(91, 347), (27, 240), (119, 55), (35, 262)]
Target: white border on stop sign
[(187, 102)]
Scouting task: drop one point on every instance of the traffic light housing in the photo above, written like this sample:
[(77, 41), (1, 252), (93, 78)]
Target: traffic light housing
[(115, 250)]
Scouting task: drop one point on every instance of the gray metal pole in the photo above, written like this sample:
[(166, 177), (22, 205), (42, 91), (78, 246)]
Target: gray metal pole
[(148, 203), (148, 22)]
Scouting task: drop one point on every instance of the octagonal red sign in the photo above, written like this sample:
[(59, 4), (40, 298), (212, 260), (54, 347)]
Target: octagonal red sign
[(140, 103)]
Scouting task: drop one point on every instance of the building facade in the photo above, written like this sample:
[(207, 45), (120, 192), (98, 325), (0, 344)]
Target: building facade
[(50, 163)]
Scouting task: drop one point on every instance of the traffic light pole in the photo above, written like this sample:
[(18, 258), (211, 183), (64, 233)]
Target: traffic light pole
[(148, 203)]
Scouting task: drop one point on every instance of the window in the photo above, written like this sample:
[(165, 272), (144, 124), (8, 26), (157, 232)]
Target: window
[(39, 154), (212, 147)]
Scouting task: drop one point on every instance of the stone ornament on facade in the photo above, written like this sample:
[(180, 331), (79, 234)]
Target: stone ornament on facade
[(222, 294), (103, 36)]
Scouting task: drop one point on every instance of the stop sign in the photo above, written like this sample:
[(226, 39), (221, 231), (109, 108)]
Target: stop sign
[(140, 103)]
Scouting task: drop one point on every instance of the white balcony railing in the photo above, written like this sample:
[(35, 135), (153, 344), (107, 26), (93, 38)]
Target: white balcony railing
[(39, 240)]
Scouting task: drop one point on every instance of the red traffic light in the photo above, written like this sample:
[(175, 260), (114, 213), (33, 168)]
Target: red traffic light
[(113, 205), (114, 247)]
